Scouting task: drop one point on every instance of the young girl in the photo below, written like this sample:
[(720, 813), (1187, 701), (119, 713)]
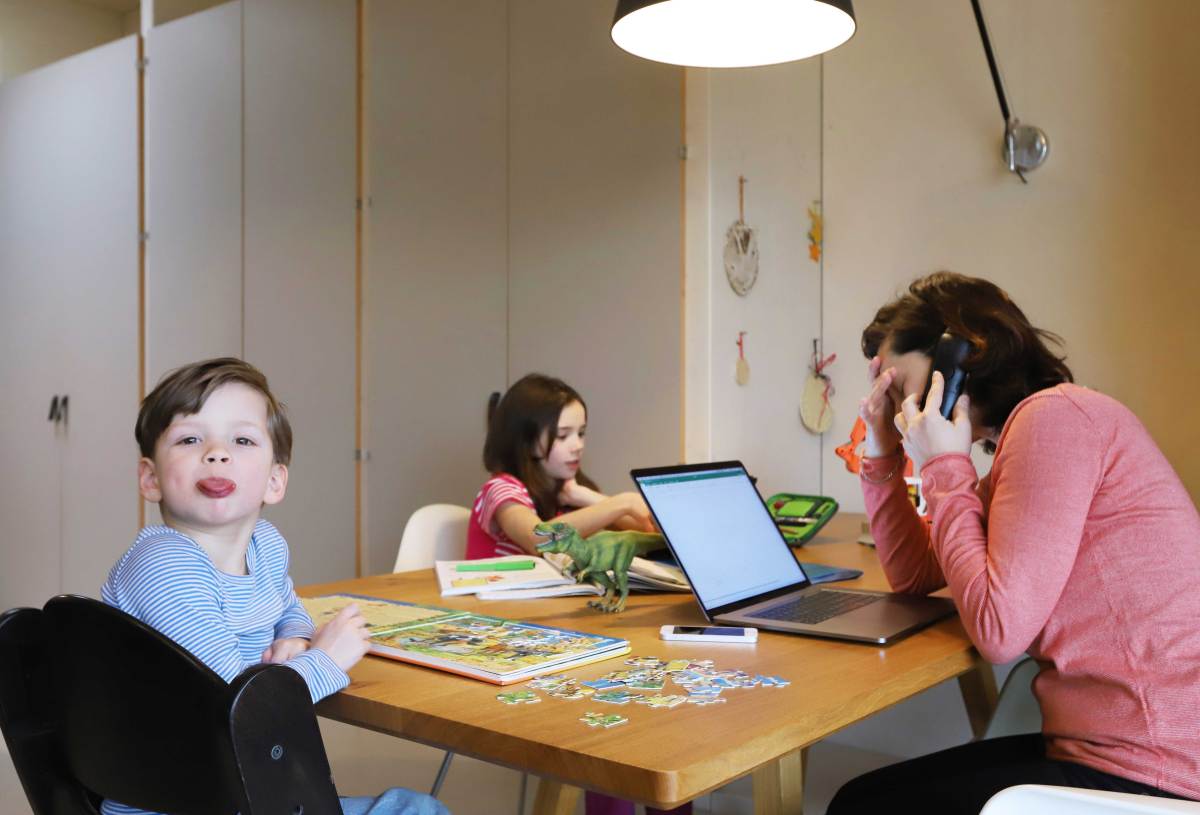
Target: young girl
[(534, 447)]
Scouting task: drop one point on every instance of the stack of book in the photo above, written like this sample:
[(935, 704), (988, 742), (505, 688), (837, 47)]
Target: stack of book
[(523, 577)]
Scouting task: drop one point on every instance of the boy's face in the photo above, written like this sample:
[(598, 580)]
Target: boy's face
[(215, 469)]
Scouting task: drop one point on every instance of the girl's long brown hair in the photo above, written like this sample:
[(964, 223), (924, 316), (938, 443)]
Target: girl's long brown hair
[(1009, 357), (518, 426)]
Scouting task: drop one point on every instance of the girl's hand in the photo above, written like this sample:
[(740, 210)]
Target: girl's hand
[(637, 511), (285, 649), (927, 433), (345, 638), (574, 494), (878, 411)]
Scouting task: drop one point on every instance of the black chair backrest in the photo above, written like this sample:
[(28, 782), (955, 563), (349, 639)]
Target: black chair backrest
[(27, 717), (140, 720)]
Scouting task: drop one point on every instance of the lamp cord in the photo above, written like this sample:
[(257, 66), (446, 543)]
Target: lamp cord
[(991, 58)]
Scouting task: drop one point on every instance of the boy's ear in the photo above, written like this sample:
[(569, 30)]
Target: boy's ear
[(276, 484), (148, 481)]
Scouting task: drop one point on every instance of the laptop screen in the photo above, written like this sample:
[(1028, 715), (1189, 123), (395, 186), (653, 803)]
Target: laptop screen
[(720, 531)]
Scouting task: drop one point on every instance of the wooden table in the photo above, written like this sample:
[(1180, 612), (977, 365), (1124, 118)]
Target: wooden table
[(662, 757)]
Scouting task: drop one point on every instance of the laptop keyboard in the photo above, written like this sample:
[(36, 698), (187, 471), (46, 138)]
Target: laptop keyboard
[(817, 607)]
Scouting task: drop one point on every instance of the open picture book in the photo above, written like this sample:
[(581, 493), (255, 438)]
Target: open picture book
[(492, 649)]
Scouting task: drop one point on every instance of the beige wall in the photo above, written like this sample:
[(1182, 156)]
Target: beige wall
[(34, 33), (1101, 246)]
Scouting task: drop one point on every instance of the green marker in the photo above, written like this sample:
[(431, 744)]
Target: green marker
[(503, 566)]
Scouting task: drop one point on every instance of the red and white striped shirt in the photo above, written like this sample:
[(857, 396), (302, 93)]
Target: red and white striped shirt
[(485, 538)]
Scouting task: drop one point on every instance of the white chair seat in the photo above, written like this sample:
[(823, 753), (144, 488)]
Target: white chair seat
[(1037, 799)]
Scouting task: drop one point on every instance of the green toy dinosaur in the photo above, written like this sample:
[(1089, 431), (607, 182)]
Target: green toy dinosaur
[(597, 556)]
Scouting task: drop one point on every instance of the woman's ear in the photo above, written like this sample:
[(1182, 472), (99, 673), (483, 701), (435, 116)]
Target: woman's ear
[(148, 481), (276, 484)]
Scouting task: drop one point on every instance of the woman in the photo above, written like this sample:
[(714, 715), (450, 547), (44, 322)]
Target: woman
[(1080, 547)]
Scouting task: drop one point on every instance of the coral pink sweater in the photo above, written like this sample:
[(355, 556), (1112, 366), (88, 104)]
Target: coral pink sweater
[(1082, 548)]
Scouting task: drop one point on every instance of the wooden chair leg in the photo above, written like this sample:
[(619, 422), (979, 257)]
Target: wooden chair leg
[(554, 798), (779, 786), (521, 797), (978, 687)]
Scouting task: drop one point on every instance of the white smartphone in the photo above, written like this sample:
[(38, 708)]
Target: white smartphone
[(712, 634)]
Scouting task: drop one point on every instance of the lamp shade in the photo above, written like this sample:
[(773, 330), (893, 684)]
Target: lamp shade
[(731, 33)]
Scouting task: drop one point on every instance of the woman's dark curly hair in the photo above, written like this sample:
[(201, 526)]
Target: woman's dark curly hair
[(520, 425), (1009, 357)]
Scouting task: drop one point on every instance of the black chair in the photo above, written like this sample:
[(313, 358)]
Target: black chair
[(95, 704)]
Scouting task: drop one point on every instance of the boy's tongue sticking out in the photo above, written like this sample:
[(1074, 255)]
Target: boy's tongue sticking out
[(216, 487)]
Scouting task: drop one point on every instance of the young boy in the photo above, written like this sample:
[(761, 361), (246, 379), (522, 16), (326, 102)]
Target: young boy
[(215, 447)]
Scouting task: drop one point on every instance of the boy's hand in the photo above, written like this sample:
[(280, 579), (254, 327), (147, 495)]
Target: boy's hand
[(345, 638), (285, 649)]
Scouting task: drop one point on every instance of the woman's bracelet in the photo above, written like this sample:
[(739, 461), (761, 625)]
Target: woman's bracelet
[(891, 473)]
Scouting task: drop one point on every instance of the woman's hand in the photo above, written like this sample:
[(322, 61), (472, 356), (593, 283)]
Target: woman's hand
[(285, 649), (878, 412), (927, 433), (345, 638)]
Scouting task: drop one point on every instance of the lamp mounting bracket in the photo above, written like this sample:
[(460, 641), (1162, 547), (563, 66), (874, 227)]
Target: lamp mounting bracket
[(1025, 146)]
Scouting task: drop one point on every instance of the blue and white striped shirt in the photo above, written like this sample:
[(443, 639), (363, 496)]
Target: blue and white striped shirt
[(168, 582)]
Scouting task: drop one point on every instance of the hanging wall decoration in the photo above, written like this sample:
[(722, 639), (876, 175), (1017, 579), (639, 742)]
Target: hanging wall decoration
[(741, 248), (816, 411), (814, 231), (743, 367)]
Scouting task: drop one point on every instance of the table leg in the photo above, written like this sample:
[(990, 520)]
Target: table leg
[(978, 687), (554, 798), (779, 786)]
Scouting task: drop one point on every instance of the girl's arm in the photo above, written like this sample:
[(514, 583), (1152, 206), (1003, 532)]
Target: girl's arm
[(518, 521), (574, 494)]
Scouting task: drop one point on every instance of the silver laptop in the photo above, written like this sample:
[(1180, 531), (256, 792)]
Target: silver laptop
[(743, 572)]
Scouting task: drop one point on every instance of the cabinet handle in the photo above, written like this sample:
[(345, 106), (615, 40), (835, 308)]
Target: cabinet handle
[(53, 417)]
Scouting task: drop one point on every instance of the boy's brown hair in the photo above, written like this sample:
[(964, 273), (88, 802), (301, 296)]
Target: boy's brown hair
[(184, 391)]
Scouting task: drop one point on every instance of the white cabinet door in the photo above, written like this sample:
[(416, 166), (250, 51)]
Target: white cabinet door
[(194, 190), (594, 237), (68, 305), (299, 260), (436, 255)]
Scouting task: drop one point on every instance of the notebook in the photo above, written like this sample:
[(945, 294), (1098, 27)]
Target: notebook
[(742, 572)]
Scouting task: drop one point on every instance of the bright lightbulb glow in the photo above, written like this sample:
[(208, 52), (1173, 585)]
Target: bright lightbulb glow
[(732, 33)]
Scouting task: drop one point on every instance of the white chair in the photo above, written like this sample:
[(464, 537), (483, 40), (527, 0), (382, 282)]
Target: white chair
[(1017, 710), (1036, 799), (438, 532), (433, 532)]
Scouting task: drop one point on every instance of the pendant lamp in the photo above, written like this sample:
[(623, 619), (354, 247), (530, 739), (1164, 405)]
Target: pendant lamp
[(731, 33)]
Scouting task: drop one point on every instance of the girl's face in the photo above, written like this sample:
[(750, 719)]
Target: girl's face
[(564, 449)]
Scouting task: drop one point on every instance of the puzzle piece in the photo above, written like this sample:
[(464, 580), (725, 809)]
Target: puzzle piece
[(645, 662), (603, 684), (666, 702), (615, 697), (548, 682), (706, 700), (605, 720), (518, 697)]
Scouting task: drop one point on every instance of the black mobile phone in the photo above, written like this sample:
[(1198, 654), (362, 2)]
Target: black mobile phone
[(948, 356)]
